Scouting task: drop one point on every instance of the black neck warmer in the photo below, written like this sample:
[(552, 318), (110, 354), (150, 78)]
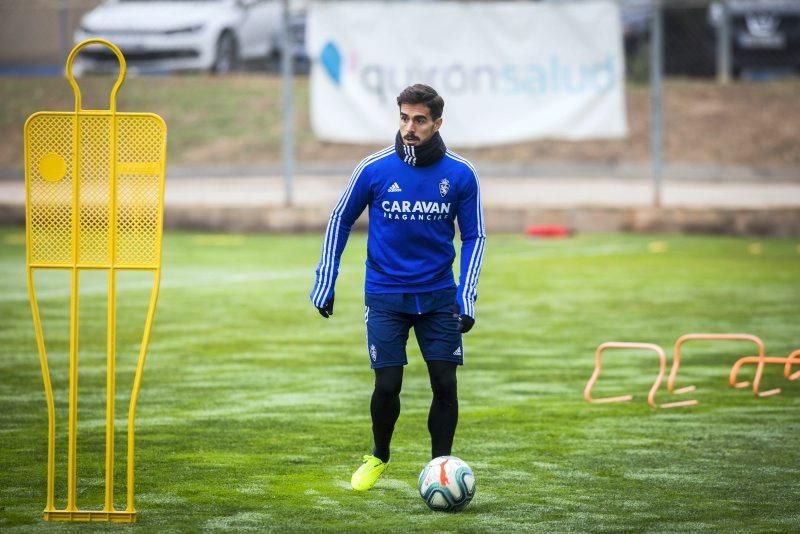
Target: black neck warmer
[(423, 155)]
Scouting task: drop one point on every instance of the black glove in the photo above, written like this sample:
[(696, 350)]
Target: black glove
[(465, 322), (327, 309)]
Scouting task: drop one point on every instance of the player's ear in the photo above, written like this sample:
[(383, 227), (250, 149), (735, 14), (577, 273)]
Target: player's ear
[(437, 124)]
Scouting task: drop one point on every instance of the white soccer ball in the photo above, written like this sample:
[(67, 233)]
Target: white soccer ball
[(447, 484)]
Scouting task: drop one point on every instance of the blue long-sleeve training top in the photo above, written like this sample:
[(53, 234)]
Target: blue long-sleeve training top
[(412, 215)]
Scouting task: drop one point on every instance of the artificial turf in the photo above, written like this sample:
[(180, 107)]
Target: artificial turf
[(254, 409)]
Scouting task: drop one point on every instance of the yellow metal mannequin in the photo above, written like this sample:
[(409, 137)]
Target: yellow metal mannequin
[(94, 184)]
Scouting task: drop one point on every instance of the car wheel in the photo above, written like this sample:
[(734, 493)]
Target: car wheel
[(226, 57)]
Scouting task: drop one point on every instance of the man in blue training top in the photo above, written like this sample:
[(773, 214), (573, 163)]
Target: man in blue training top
[(415, 192)]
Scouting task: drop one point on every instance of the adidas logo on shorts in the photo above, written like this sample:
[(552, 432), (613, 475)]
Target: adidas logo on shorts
[(395, 188), (457, 352)]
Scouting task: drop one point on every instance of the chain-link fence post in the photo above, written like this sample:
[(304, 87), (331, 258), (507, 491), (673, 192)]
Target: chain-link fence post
[(724, 44), (287, 79), (656, 98)]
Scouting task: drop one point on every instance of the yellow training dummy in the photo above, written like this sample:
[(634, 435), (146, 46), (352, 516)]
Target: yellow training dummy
[(94, 184)]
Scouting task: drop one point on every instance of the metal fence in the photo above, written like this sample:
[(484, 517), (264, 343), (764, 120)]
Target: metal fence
[(691, 44), (702, 38), (39, 32), (748, 39), (694, 106)]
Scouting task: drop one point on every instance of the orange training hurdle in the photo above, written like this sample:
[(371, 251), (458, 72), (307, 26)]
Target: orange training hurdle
[(760, 360), (794, 358), (651, 397), (791, 359)]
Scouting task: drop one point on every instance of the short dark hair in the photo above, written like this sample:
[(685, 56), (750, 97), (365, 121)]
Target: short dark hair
[(422, 94)]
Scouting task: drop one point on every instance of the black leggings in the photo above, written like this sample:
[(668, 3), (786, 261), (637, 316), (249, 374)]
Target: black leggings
[(443, 415)]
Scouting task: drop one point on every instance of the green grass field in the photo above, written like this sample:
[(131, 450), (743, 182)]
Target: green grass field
[(254, 410)]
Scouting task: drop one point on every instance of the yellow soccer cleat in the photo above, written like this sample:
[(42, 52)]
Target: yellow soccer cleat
[(369, 472)]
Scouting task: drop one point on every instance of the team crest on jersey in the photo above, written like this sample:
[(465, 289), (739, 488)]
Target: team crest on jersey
[(444, 187)]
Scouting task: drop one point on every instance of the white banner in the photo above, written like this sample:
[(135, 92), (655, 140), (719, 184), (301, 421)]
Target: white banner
[(508, 71)]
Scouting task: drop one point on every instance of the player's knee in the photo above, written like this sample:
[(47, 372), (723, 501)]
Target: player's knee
[(388, 381)]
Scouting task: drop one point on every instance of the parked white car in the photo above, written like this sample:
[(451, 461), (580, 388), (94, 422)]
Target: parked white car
[(171, 35)]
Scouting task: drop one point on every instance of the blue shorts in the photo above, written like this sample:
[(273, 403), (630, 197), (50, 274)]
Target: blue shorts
[(436, 331)]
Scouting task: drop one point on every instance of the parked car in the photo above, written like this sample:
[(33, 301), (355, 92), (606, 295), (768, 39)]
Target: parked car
[(172, 35), (765, 34), (689, 42), (298, 14), (765, 37)]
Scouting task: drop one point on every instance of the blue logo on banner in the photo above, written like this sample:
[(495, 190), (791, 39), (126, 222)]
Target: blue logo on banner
[(332, 61)]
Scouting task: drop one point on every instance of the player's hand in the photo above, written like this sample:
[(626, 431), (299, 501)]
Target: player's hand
[(327, 309), (465, 322)]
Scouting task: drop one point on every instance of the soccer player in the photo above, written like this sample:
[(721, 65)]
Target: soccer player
[(416, 190)]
